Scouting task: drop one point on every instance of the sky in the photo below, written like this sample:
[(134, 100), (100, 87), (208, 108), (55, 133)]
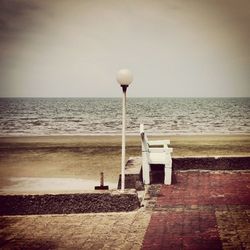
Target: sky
[(174, 48)]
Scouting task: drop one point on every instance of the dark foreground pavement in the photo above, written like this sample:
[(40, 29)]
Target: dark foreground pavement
[(201, 210)]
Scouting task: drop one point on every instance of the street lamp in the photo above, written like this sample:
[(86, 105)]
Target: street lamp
[(124, 78)]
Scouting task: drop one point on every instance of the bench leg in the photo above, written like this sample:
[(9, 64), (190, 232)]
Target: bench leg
[(146, 176), (145, 171), (168, 175)]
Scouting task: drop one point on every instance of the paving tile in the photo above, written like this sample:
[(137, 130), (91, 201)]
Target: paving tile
[(234, 228)]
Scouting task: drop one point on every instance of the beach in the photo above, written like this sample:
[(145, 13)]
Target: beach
[(84, 157)]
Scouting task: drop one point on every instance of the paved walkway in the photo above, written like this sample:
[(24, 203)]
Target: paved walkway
[(77, 231), (202, 210)]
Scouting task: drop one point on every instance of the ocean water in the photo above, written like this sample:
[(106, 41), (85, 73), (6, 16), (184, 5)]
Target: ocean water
[(102, 116)]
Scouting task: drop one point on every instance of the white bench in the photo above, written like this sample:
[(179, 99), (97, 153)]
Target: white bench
[(155, 152)]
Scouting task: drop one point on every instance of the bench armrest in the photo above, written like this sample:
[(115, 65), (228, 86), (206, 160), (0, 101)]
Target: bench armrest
[(160, 150), (169, 150), (159, 143)]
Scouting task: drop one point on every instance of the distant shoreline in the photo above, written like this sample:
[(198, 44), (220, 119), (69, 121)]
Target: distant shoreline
[(128, 135), (182, 144)]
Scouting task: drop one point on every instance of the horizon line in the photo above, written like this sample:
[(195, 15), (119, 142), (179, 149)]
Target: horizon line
[(2, 97)]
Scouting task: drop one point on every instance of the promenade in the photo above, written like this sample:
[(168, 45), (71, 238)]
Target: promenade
[(201, 210)]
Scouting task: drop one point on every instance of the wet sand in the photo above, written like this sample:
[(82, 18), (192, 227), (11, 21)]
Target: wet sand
[(84, 157)]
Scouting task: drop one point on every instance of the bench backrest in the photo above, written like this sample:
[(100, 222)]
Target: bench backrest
[(155, 145)]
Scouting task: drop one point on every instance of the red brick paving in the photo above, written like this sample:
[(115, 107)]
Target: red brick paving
[(184, 214), (182, 230), (207, 188)]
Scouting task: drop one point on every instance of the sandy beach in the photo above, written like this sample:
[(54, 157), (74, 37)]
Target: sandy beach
[(84, 157)]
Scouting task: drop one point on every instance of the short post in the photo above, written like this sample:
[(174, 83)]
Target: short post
[(101, 187), (102, 180), (124, 78)]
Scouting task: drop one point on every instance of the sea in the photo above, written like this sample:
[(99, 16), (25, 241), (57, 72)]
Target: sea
[(102, 116)]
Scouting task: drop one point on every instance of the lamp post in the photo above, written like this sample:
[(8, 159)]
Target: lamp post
[(124, 78)]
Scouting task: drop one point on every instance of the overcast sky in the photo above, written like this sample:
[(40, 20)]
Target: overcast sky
[(175, 48)]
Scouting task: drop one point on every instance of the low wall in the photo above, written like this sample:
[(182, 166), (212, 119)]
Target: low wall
[(89, 202), (113, 200), (133, 171), (211, 163)]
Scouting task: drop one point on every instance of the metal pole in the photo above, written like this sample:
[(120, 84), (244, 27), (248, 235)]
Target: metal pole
[(102, 180), (124, 88)]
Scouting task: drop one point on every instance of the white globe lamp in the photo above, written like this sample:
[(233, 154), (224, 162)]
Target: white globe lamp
[(124, 77)]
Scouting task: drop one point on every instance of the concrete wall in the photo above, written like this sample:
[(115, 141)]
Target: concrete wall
[(91, 202), (211, 163), (133, 173)]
